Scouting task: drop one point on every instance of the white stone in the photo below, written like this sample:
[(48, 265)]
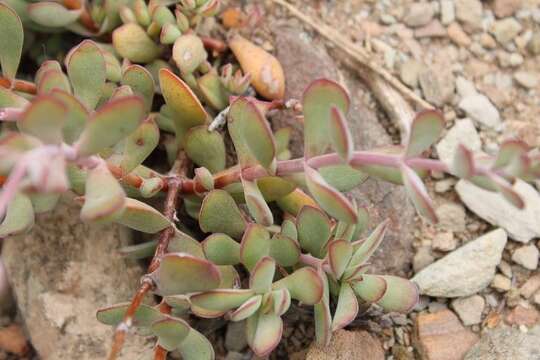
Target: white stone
[(501, 283), (444, 241), (521, 225), (469, 309), (418, 14), (465, 87), (480, 109), (526, 256), (451, 216), (465, 271), (463, 132), (506, 30), (448, 12), (469, 12), (526, 79)]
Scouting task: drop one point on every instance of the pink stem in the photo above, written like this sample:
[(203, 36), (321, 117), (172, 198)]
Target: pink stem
[(10, 114)]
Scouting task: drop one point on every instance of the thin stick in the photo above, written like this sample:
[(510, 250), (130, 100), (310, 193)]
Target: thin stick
[(358, 54)]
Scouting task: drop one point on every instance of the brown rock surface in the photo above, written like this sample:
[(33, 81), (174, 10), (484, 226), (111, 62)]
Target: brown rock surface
[(61, 272), (348, 345), (13, 340), (440, 336)]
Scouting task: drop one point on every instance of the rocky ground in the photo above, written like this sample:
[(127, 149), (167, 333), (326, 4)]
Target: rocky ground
[(477, 61)]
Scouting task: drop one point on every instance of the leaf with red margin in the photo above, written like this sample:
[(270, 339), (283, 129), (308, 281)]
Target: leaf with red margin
[(220, 214), (507, 191), (284, 250), (425, 130), (463, 163), (254, 246), (340, 134), (401, 295), (11, 41), (221, 249), (257, 206), (246, 309), (139, 145), (314, 230), (44, 118), (170, 332), (323, 317), (113, 315), (264, 333), (262, 275), (219, 301), (142, 217), (304, 284), (339, 255), (347, 307), (282, 301), (364, 250), (417, 192), (371, 288), (196, 347)]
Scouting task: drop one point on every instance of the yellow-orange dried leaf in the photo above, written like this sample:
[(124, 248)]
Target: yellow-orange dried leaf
[(266, 72), (13, 340), (233, 18)]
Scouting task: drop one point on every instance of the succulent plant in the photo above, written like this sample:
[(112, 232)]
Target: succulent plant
[(88, 125)]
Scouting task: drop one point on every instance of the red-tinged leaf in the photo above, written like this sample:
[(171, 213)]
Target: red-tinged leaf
[(11, 41), (188, 53), (230, 279), (141, 82), (371, 288), (144, 316), (182, 242), (342, 177), (44, 118), (76, 118), (213, 90), (262, 275), (196, 347), (354, 273), (19, 216), (323, 317), (425, 130), (264, 333), (401, 295), (284, 250), (53, 79), (206, 148), (339, 255), (340, 134), (221, 249), (364, 251), (170, 332), (510, 151), (282, 301), (246, 309), (274, 187), (221, 300), (251, 134), (52, 14), (110, 124), (180, 273), (417, 193), (507, 191), (304, 285), (179, 303), (255, 245), (142, 217), (314, 230), (463, 163), (139, 145), (295, 201), (317, 102), (332, 201), (347, 307), (257, 206), (220, 214)]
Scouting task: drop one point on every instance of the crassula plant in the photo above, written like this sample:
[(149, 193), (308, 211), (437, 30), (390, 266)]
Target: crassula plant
[(88, 124)]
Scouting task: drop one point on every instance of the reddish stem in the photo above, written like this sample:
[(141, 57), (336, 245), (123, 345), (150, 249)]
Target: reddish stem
[(214, 44), (18, 85)]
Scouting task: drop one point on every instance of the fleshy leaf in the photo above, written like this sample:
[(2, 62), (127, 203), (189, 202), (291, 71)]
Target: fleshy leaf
[(219, 213), (206, 148), (180, 273), (295, 201), (284, 250), (463, 163), (304, 284), (340, 134), (44, 119), (110, 124), (257, 206), (170, 332), (274, 187), (53, 80), (139, 144), (339, 254), (401, 294), (213, 90), (139, 251), (342, 177), (52, 14), (507, 191), (323, 317), (179, 303), (371, 288), (76, 118), (332, 201), (282, 301), (417, 192), (219, 301), (104, 198), (246, 309), (262, 275), (264, 333), (196, 347), (288, 228), (188, 53), (255, 245), (251, 134), (9, 99), (230, 279), (347, 307), (44, 202), (510, 151), (367, 247), (221, 249), (113, 315), (182, 242), (425, 130), (11, 41), (141, 82), (87, 72), (320, 96), (133, 43), (142, 217), (314, 230), (19, 216)]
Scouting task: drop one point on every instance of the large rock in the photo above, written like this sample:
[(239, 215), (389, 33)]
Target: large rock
[(464, 271), (521, 225), (61, 272), (304, 60), (504, 343), (348, 345)]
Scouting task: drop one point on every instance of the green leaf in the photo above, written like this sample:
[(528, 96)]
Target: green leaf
[(366, 248), (104, 198), (274, 187), (510, 151), (11, 41), (425, 130), (221, 249), (188, 53), (314, 230), (169, 34), (142, 217), (340, 134), (284, 250), (87, 72), (332, 201), (401, 294), (203, 177), (213, 90), (180, 273), (246, 309), (507, 191), (283, 137), (318, 100), (254, 246), (347, 307), (110, 124), (219, 213), (141, 82), (262, 275), (182, 242), (113, 68), (339, 255), (295, 201), (133, 43), (179, 303), (196, 347), (76, 118), (44, 119), (288, 229), (53, 80), (304, 285), (52, 14), (383, 172), (218, 302), (139, 251), (417, 192), (113, 315), (170, 332), (8, 98), (264, 333), (44, 202), (371, 288), (257, 206), (187, 109), (342, 177), (139, 145), (323, 318), (251, 134), (206, 148), (281, 299), (463, 162), (19, 216)]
